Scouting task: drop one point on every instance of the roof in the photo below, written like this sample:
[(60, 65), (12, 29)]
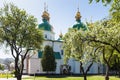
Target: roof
[(79, 25), (45, 26), (56, 54), (61, 41)]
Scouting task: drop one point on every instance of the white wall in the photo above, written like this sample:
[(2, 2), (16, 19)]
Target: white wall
[(35, 62), (25, 66), (57, 46), (50, 35), (34, 65), (58, 65), (94, 68), (71, 62), (77, 67)]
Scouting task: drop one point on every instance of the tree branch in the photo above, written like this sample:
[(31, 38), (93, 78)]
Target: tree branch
[(98, 41)]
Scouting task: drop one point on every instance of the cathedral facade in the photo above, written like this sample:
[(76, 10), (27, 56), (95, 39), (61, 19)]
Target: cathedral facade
[(33, 63)]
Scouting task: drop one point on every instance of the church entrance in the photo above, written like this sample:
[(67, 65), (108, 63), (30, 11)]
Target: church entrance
[(65, 69)]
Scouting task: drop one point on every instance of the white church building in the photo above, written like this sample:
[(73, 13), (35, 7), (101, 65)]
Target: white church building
[(33, 63)]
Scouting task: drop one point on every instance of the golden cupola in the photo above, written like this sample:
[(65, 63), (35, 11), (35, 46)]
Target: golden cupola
[(45, 15), (45, 18), (78, 16), (79, 25)]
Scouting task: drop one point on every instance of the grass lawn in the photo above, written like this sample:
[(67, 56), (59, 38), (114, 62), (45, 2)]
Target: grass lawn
[(69, 78), (5, 75)]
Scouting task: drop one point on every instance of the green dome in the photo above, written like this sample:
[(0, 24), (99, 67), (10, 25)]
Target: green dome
[(45, 25), (79, 25)]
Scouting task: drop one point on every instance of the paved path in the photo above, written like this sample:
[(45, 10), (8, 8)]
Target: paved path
[(8, 79), (13, 78)]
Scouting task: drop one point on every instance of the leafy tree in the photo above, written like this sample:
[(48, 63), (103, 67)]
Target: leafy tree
[(1, 67), (7, 62), (115, 63), (103, 1), (75, 47), (115, 10), (19, 32), (105, 35), (48, 60)]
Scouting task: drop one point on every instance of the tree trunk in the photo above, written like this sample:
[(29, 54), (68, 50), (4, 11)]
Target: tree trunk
[(85, 77), (83, 72), (107, 74), (119, 74), (17, 69), (19, 77)]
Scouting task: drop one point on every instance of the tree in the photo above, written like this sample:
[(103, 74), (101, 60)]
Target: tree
[(103, 1), (115, 10), (105, 35), (48, 60), (1, 67), (75, 47), (7, 62), (107, 55), (19, 32), (115, 63)]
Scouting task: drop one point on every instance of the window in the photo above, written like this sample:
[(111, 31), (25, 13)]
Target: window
[(61, 52), (45, 36)]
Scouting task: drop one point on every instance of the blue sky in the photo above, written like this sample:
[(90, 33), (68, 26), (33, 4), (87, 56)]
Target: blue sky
[(62, 12)]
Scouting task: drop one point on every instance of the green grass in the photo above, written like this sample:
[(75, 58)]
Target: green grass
[(69, 78), (6, 75)]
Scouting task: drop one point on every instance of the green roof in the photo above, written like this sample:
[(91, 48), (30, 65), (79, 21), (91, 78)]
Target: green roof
[(56, 54), (59, 39), (45, 25), (79, 25)]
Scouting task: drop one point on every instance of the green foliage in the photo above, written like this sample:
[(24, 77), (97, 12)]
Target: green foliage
[(103, 36), (105, 32), (103, 1), (19, 32), (19, 28), (115, 10), (1, 67), (115, 63), (13, 72), (76, 47), (48, 59)]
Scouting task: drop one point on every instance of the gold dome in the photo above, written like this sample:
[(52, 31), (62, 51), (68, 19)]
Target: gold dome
[(45, 15), (78, 16)]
